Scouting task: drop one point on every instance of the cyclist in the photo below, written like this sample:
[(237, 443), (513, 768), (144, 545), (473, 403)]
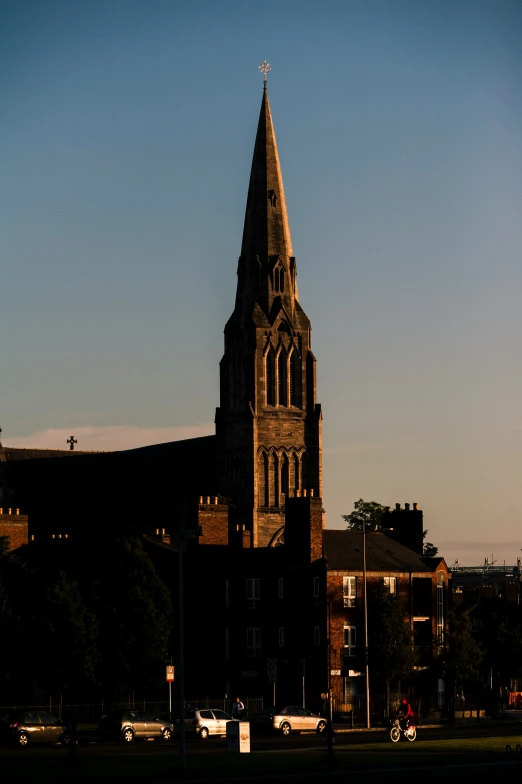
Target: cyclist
[(405, 713)]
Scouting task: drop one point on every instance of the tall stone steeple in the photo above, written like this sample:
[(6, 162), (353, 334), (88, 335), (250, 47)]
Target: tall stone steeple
[(268, 424)]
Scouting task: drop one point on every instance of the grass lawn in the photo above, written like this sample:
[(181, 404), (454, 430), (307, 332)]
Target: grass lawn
[(152, 763)]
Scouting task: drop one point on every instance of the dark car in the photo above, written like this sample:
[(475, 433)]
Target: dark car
[(25, 726), (288, 719), (133, 724)]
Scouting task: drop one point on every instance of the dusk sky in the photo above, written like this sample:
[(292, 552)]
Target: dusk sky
[(127, 130)]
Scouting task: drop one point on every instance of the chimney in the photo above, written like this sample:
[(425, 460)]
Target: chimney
[(304, 529)]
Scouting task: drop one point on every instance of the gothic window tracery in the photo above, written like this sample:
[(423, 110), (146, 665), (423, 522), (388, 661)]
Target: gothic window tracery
[(270, 378), (282, 378)]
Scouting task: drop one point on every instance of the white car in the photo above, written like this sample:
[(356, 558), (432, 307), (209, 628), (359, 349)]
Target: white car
[(207, 721), (291, 718)]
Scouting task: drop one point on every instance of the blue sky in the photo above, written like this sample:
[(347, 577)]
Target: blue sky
[(127, 134)]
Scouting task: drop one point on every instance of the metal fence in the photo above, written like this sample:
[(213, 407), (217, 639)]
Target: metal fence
[(89, 713)]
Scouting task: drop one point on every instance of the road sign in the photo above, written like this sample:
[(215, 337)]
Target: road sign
[(271, 670), (170, 673)]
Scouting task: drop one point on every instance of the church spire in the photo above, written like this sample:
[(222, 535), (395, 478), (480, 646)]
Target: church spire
[(266, 230)]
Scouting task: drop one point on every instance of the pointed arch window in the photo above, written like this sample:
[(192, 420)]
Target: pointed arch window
[(294, 379), (297, 482), (279, 279), (275, 475), (266, 480), (282, 378), (285, 476), (270, 378)]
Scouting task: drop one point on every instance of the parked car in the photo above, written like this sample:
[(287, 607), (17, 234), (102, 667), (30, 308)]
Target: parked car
[(207, 721), (129, 725), (287, 719), (24, 727)]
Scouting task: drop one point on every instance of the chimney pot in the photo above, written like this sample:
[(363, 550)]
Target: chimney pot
[(157, 531), (215, 500), (312, 492), (32, 537), (1, 510), (17, 512), (66, 536), (304, 493), (407, 507), (208, 500), (52, 536), (298, 494), (163, 532), (9, 510), (415, 506), (397, 507), (387, 508), (200, 499)]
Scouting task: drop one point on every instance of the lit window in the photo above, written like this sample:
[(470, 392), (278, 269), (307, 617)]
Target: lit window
[(349, 591), (391, 584)]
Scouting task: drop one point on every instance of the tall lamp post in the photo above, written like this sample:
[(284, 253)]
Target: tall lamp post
[(366, 668)]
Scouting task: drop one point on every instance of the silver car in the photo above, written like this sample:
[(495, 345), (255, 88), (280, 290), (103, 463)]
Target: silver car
[(207, 721), (290, 718)]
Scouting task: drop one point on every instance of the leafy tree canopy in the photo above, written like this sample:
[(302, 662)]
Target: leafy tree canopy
[(459, 655), (365, 513), (429, 550), (391, 654)]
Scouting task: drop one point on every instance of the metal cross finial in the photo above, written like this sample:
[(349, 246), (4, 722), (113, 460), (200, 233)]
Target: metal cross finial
[(72, 441), (264, 68)]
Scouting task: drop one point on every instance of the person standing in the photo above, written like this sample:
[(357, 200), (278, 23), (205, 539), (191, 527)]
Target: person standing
[(237, 709)]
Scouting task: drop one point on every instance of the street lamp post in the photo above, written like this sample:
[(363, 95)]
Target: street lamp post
[(366, 668)]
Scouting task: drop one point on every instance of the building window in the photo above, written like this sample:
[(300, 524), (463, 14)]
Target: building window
[(281, 636), (349, 641), (281, 378), (254, 641), (391, 584), (270, 379), (253, 592), (280, 587), (316, 587), (317, 636), (349, 591)]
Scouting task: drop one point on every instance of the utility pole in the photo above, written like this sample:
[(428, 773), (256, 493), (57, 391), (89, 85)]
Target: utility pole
[(366, 668), (181, 667)]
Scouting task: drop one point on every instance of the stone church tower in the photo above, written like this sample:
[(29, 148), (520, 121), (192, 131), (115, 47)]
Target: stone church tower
[(268, 424)]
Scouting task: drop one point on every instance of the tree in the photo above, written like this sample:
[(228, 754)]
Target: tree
[(135, 619), (368, 513), (69, 657), (459, 655), (429, 550), (391, 654)]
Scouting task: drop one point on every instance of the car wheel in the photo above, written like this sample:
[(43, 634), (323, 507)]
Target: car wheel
[(286, 729), (166, 734), (23, 739), (203, 733), (65, 739), (128, 735), (321, 727)]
